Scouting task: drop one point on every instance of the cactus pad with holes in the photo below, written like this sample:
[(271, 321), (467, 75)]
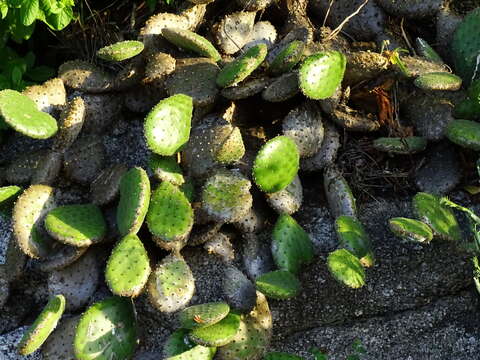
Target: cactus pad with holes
[(352, 235), (438, 81), (107, 330), (76, 225), (276, 164), (188, 40), (43, 326), (121, 50), (21, 113), (203, 315), (278, 284), (128, 267), (321, 74), (167, 126), (346, 268)]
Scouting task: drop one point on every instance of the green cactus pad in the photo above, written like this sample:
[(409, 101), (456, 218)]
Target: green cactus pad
[(240, 68), (128, 267), (171, 285), (346, 268), (354, 238), (465, 133), (466, 45), (276, 164), (278, 284), (107, 330), (287, 58), (43, 326), (411, 230), (167, 126), (188, 40), (27, 216), (291, 245), (219, 334), (203, 315), (425, 50), (226, 196), (21, 113), (76, 225), (403, 146), (170, 215), (134, 201), (321, 74), (440, 218), (253, 337), (188, 189), (8, 194), (166, 169), (179, 347), (438, 81), (339, 194), (121, 50), (281, 356)]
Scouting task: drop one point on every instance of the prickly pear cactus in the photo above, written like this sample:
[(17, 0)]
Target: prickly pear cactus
[(403, 146), (8, 195), (321, 74), (166, 169), (71, 123), (43, 326), (203, 315), (179, 347), (291, 245), (76, 225), (171, 285), (84, 76), (440, 81), (107, 330), (21, 113), (218, 334), (278, 284), (170, 216), (121, 50), (59, 344), (352, 235), (287, 58), (128, 267), (411, 230), (465, 133), (346, 268), (134, 201), (276, 164), (28, 214), (188, 40), (167, 126), (240, 68)]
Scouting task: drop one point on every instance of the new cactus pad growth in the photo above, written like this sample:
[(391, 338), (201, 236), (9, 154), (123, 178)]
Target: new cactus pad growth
[(203, 315), (411, 230), (190, 41), (166, 169), (121, 50), (346, 268), (278, 284), (179, 347), (352, 235), (218, 334)]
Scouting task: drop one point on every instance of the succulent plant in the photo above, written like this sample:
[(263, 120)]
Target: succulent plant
[(50, 96), (167, 126), (465, 133), (238, 290), (189, 40), (128, 267), (408, 145), (276, 164), (339, 195), (115, 319), (218, 334), (278, 284), (179, 347), (59, 344), (352, 235), (121, 50), (166, 169), (43, 326), (438, 81), (134, 201), (70, 123), (203, 315), (8, 195), (321, 73), (21, 113), (411, 230), (287, 58), (84, 76), (282, 88), (232, 32), (106, 186), (346, 268)]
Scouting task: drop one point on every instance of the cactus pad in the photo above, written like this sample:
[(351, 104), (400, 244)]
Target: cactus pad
[(278, 284), (408, 145), (346, 268), (21, 113), (28, 213), (411, 230), (121, 50), (240, 68), (440, 218), (291, 245), (171, 285), (43, 326), (106, 186), (321, 74), (107, 330), (167, 126), (84, 76), (134, 201), (166, 169), (287, 57), (203, 315), (179, 347), (8, 194), (339, 194), (170, 215), (188, 40), (219, 334), (288, 200), (438, 81), (71, 123), (76, 225), (226, 196), (238, 290), (276, 164), (59, 344), (465, 133), (128, 267), (354, 238)]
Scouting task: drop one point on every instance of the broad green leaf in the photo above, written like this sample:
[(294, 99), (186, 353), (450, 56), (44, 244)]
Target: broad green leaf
[(29, 11), (3, 9)]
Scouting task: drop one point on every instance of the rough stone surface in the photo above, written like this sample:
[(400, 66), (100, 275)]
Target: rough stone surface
[(8, 346)]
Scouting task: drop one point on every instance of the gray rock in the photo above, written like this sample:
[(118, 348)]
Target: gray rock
[(319, 225), (239, 292), (327, 153), (8, 346), (447, 22), (257, 256), (441, 171), (411, 9)]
